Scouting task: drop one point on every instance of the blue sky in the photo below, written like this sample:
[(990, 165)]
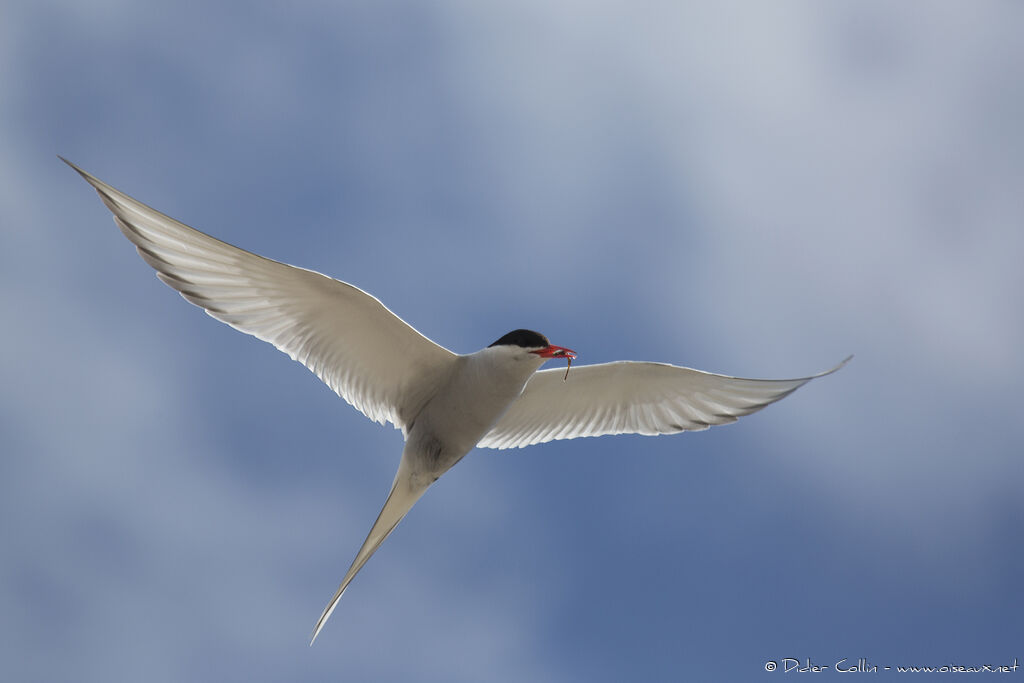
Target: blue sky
[(744, 188)]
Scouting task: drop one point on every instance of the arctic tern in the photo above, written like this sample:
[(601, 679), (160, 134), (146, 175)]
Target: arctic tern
[(445, 403)]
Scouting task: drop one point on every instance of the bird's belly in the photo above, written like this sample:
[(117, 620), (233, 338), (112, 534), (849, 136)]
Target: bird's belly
[(459, 425), (454, 424)]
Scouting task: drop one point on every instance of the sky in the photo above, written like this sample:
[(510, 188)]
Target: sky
[(756, 189)]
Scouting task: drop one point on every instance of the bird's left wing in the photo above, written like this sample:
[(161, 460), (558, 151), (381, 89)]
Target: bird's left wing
[(628, 397), (364, 352)]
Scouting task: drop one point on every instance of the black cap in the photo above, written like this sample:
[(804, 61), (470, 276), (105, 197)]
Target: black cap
[(528, 339)]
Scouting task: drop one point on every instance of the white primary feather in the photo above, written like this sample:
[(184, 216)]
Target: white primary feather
[(628, 397), (364, 352)]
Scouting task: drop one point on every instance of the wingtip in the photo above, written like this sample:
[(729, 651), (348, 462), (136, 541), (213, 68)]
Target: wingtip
[(69, 163), (837, 367), (88, 176)]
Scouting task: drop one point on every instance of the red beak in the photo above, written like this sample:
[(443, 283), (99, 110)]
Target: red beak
[(553, 351)]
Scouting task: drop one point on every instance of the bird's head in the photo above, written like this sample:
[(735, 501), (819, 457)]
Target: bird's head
[(530, 344)]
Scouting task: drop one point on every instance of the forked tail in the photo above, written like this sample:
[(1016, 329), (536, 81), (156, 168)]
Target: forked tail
[(403, 496)]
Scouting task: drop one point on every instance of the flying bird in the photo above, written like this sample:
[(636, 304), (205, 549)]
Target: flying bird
[(445, 403)]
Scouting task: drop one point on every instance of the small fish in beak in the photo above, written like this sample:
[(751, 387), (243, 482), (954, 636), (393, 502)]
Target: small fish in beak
[(552, 351)]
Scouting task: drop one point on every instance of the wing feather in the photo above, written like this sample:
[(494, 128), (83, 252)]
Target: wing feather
[(349, 339), (628, 397)]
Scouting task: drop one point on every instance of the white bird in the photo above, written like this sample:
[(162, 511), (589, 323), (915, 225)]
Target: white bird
[(444, 403)]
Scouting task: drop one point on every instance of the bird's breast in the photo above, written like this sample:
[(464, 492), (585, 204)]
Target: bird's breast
[(468, 404)]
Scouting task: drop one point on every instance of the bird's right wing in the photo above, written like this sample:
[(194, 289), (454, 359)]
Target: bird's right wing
[(349, 339), (628, 397)]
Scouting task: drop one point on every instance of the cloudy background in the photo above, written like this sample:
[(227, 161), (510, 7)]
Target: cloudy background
[(750, 188)]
